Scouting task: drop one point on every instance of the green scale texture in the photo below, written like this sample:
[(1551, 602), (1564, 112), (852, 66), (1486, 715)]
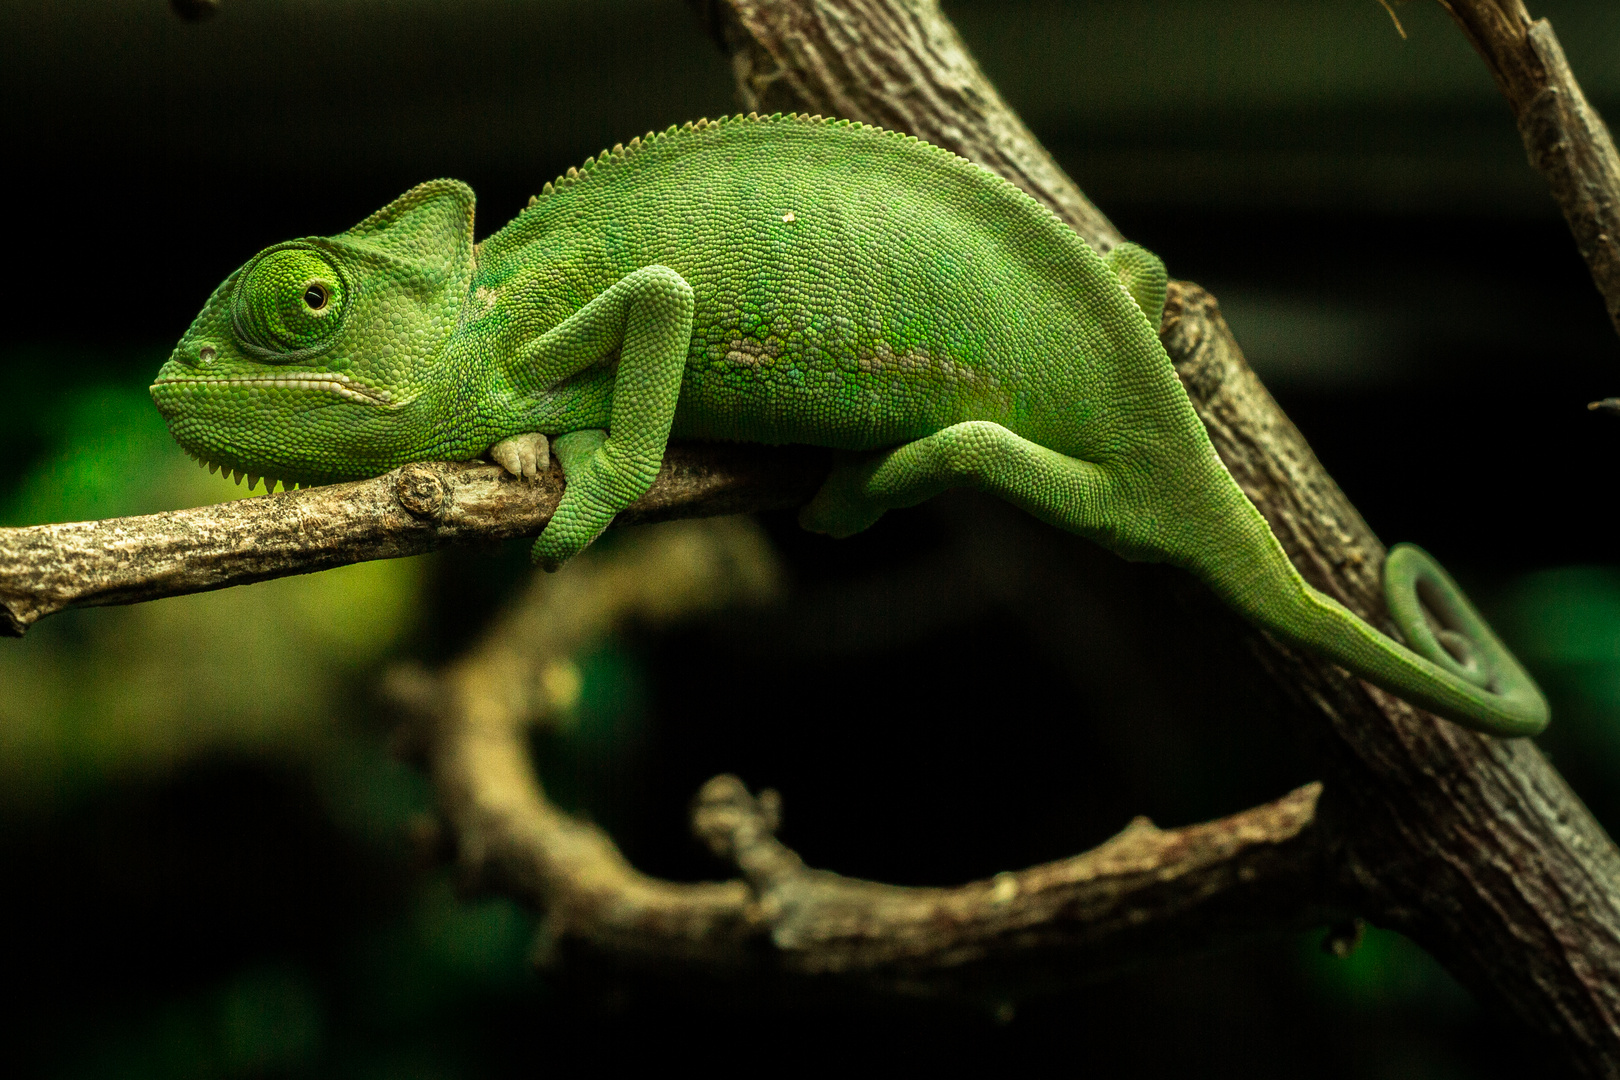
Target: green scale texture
[(783, 279)]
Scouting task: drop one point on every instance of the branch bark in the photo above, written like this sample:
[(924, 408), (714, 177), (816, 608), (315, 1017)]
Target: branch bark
[(1565, 138)]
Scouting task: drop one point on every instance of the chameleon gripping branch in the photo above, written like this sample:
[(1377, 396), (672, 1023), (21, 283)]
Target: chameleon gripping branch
[(411, 510), (1530, 918)]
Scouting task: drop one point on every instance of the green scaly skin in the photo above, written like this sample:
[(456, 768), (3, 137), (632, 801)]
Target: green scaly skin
[(782, 280)]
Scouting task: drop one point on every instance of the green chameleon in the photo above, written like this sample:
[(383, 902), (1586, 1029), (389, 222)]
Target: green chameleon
[(782, 279)]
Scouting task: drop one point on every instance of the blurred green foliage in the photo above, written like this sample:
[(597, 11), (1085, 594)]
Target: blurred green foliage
[(1565, 624), (91, 695), (266, 1020), (278, 671)]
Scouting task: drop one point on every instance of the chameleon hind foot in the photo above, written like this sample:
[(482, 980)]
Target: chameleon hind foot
[(844, 506), (1061, 490), (1144, 277), (524, 456)]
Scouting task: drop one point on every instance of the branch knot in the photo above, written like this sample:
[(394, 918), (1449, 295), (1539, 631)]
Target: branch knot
[(422, 492)]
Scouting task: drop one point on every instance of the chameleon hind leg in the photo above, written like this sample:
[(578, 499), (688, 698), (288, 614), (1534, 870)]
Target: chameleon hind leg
[(1061, 490), (1143, 275), (646, 317)]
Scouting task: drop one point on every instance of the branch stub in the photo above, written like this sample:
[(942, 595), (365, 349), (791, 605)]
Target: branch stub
[(422, 492)]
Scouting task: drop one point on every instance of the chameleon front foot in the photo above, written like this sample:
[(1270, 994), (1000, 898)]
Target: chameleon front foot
[(524, 456), (589, 503)]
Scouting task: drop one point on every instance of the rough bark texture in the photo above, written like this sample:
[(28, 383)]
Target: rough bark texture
[(1566, 139)]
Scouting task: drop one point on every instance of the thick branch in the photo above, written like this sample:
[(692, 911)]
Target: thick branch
[(1474, 847), (1564, 136), (1146, 892), (901, 66)]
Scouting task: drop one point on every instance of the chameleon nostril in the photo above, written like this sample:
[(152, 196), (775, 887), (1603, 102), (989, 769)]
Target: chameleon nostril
[(206, 354)]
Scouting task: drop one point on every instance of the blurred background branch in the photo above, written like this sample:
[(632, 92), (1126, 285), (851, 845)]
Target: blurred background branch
[(1565, 138), (1144, 893)]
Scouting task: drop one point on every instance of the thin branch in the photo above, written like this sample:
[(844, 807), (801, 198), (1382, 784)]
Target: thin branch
[(1565, 138), (417, 508), (1146, 892)]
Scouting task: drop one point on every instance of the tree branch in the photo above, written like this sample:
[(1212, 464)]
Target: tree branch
[(414, 509), (1146, 892), (1563, 135), (1474, 847)]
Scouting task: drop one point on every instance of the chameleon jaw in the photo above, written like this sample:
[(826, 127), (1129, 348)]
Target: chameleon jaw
[(236, 475), (341, 385)]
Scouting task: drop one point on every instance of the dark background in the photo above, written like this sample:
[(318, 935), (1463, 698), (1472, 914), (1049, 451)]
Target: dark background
[(202, 828)]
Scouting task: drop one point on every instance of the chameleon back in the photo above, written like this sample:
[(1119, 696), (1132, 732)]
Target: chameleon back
[(854, 288)]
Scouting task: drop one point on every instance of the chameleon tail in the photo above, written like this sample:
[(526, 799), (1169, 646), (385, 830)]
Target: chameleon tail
[(1460, 671)]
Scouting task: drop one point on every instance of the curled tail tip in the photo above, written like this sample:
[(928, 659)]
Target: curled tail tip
[(1421, 596)]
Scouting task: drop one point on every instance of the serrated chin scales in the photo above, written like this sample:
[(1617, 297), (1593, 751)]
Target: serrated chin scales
[(341, 385), (237, 475)]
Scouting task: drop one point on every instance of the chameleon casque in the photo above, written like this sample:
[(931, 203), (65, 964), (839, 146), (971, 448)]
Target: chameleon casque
[(782, 279)]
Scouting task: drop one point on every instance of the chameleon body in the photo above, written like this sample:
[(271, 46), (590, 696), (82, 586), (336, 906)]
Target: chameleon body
[(782, 280)]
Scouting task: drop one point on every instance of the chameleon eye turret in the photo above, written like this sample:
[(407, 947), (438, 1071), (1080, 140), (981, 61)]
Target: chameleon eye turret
[(289, 305)]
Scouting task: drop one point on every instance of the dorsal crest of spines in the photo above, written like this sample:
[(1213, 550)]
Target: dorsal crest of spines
[(621, 151)]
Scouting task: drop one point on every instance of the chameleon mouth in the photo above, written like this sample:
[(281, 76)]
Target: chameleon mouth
[(341, 385)]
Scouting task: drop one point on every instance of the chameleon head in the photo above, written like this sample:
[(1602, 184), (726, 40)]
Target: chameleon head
[(307, 363)]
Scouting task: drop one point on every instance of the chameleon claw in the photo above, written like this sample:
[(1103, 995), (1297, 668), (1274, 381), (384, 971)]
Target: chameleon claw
[(524, 456)]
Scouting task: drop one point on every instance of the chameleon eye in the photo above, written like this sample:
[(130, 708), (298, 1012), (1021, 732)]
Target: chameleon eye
[(288, 304)]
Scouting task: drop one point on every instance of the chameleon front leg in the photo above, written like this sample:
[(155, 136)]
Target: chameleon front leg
[(1064, 491), (647, 317)]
